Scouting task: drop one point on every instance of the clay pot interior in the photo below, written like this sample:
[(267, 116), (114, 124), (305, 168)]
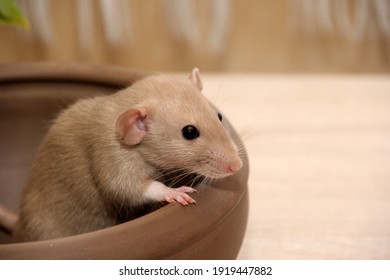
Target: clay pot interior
[(30, 96)]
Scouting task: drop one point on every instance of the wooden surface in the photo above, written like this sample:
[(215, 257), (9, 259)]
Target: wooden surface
[(319, 150), (166, 35)]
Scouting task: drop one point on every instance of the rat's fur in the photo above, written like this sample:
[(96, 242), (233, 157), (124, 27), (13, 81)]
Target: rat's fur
[(87, 169)]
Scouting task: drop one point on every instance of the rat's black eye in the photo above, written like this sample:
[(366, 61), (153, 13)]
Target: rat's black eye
[(190, 132), (219, 116)]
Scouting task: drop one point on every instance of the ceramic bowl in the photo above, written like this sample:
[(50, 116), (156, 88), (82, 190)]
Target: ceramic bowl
[(30, 96)]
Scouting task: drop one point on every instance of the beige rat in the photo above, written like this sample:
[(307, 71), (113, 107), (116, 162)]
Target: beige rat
[(109, 153)]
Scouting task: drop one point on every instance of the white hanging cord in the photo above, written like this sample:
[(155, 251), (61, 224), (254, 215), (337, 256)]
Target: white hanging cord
[(327, 15), (40, 22), (308, 16), (357, 30), (127, 28), (112, 21), (182, 21), (85, 24), (383, 13), (324, 15), (295, 16), (220, 25)]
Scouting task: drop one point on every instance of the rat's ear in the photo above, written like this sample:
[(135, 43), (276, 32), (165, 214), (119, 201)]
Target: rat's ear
[(195, 78), (131, 126)]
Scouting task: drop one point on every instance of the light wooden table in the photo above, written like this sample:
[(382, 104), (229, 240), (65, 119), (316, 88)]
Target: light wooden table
[(319, 150)]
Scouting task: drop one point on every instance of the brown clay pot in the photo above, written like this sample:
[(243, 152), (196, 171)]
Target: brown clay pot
[(33, 94)]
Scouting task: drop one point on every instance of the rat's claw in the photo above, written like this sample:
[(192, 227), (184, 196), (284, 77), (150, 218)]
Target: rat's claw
[(186, 189), (180, 195), (169, 199)]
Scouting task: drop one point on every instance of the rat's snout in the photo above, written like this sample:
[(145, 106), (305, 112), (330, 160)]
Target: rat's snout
[(222, 164), (234, 166)]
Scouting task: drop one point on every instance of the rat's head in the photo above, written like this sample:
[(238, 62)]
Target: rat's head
[(176, 127)]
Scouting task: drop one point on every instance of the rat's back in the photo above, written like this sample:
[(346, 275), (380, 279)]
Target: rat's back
[(60, 194)]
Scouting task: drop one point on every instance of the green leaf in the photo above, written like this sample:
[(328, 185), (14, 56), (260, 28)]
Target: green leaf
[(11, 14)]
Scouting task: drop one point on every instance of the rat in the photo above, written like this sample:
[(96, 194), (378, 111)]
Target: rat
[(109, 153)]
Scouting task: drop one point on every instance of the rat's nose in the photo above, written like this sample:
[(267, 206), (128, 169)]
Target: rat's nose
[(233, 167)]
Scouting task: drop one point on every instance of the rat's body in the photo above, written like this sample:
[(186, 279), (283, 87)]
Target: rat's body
[(108, 153)]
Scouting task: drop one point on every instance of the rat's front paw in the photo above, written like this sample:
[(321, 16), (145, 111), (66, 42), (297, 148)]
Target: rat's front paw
[(157, 191), (180, 195)]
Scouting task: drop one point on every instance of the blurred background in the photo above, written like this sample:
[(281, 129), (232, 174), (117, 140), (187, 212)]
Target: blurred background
[(215, 35)]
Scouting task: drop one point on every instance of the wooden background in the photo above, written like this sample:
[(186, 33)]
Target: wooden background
[(215, 35)]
